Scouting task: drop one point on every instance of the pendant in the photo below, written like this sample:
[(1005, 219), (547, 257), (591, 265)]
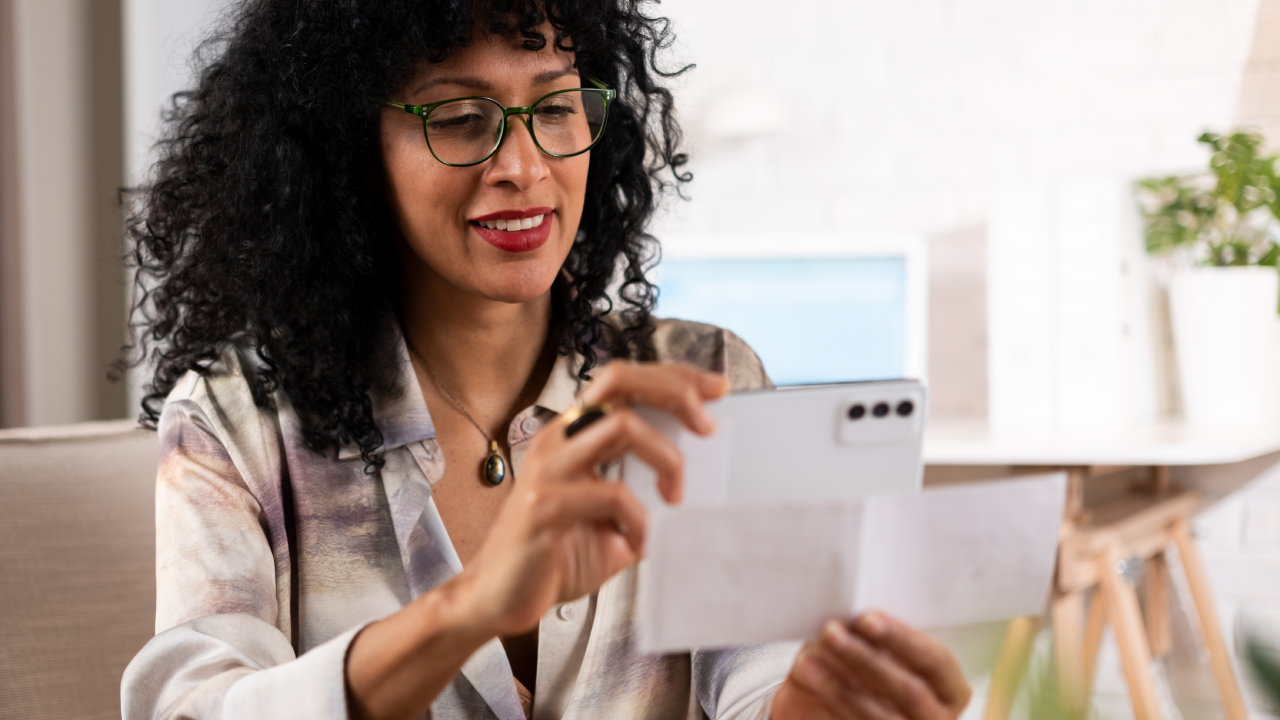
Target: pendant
[(495, 468)]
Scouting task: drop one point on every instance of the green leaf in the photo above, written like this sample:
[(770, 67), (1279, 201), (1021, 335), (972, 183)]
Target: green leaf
[(1262, 662), (1218, 210), (1271, 256)]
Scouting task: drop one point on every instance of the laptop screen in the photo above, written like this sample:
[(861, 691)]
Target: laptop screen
[(811, 320)]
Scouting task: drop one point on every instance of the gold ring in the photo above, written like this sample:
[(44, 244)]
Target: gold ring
[(577, 418)]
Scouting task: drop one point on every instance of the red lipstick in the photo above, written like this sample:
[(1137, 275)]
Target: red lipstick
[(514, 240)]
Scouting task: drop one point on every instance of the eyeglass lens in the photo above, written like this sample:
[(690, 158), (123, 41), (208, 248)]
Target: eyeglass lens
[(466, 131)]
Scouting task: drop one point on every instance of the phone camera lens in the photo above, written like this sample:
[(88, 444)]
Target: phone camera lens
[(906, 407), (880, 410), (857, 411)]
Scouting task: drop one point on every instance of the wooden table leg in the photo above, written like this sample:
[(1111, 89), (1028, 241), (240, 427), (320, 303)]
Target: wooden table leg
[(1160, 482), (1068, 637), (1015, 651), (1126, 618), (1096, 623), (1159, 634), (1074, 510), (1219, 658)]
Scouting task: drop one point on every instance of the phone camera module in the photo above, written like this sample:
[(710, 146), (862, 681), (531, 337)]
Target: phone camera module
[(905, 408), (880, 410), (857, 411)]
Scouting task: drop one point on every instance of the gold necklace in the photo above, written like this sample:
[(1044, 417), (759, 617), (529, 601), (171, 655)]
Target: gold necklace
[(494, 469)]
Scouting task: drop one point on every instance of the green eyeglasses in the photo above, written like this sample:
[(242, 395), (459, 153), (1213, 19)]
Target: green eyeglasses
[(467, 131)]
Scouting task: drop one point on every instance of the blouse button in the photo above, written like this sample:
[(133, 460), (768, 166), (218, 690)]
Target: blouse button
[(565, 612), (530, 425)]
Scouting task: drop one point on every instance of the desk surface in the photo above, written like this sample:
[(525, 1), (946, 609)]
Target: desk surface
[(1168, 443)]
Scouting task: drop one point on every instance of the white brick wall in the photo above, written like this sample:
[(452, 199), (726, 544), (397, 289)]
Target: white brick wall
[(1262, 523), (906, 115)]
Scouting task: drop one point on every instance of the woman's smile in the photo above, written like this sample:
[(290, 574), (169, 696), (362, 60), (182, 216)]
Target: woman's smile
[(515, 231)]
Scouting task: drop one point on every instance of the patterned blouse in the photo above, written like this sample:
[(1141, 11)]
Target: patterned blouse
[(256, 605)]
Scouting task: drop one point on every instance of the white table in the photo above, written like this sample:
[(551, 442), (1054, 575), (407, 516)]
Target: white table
[(1157, 444)]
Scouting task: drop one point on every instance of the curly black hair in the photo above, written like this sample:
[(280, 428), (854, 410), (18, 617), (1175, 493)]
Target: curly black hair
[(260, 225)]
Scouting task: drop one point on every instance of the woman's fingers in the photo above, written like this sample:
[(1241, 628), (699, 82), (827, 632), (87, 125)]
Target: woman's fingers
[(679, 389), (922, 654), (591, 503), (880, 671), (608, 439), (820, 674)]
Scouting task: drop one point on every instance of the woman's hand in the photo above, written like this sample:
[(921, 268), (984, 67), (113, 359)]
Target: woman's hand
[(873, 668), (564, 531), (560, 535)]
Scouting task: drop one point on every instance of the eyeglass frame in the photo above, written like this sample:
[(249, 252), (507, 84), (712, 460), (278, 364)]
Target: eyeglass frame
[(423, 111)]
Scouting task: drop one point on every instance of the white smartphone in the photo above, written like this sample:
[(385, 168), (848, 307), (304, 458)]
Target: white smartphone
[(797, 445)]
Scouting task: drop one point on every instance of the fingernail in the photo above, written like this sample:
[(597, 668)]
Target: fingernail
[(871, 625), (813, 671), (718, 384), (837, 634)]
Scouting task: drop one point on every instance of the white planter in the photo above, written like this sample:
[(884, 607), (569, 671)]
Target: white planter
[(1224, 329)]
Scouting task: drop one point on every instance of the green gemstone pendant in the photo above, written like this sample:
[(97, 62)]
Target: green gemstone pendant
[(495, 468)]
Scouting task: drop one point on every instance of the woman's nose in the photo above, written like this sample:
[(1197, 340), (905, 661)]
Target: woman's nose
[(518, 161)]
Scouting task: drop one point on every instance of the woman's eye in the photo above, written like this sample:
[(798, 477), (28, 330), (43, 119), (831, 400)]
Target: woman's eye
[(555, 111), (555, 115), (457, 122)]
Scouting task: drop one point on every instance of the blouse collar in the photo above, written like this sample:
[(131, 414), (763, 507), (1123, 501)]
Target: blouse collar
[(404, 419)]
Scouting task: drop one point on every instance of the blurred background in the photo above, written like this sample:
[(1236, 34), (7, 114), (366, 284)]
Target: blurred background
[(938, 188), (989, 145)]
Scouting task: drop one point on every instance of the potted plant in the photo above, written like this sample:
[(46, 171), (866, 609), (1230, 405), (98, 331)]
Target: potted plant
[(1218, 235)]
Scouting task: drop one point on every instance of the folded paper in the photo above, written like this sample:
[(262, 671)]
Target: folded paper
[(718, 576)]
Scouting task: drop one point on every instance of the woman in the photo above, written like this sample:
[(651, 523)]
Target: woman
[(373, 292)]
